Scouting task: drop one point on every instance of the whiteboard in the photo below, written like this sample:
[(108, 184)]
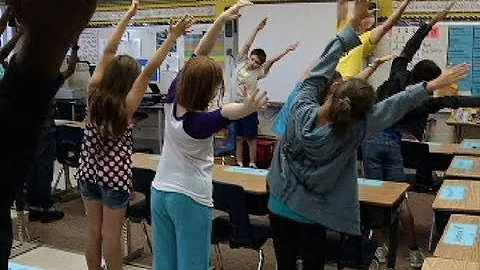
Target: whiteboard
[(311, 24)]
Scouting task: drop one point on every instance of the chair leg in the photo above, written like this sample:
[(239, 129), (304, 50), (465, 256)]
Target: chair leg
[(147, 237), (218, 252), (57, 180), (431, 239), (261, 259)]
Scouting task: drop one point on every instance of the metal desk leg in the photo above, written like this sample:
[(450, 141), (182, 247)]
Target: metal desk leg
[(393, 244), (129, 253)]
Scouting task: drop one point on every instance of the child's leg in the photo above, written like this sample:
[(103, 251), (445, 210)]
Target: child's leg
[(252, 150), (284, 242), (239, 151), (92, 200), (163, 232), (114, 209), (193, 229)]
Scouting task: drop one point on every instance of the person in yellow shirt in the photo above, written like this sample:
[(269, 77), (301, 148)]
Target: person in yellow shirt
[(352, 63)]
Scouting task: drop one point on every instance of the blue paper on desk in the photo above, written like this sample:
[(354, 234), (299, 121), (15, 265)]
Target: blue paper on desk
[(16, 266), (246, 170), (471, 145), (370, 182), (156, 157), (434, 143), (461, 234), (463, 164), (453, 193)]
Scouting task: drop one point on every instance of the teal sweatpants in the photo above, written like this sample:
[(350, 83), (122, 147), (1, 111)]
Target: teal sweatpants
[(181, 231)]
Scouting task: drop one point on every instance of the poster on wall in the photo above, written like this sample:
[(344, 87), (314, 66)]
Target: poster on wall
[(171, 63)]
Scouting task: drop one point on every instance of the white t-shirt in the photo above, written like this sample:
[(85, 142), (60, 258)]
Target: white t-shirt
[(247, 77)]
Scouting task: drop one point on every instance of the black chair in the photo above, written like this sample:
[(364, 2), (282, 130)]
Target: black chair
[(68, 148), (139, 211), (353, 252), (226, 147), (237, 228)]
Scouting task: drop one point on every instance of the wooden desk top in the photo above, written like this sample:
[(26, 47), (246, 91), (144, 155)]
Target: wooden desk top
[(443, 148), (69, 123), (452, 122), (449, 264), (251, 183), (456, 173), (386, 195), (468, 152), (389, 194), (470, 204), (467, 253)]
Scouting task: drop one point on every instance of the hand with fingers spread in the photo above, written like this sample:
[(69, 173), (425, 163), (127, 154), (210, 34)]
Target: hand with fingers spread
[(449, 76), (233, 12), (256, 101), (442, 15), (132, 11), (262, 24), (360, 12), (182, 27)]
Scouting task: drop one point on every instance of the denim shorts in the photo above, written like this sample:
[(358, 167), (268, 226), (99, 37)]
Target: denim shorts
[(113, 199), (248, 126)]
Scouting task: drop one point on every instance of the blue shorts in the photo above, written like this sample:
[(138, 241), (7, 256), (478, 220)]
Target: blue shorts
[(247, 127), (113, 199)]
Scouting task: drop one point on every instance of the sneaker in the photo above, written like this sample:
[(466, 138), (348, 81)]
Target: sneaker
[(44, 215), (253, 165), (416, 258), (381, 253)]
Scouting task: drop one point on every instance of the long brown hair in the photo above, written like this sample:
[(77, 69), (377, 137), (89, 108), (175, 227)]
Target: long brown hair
[(352, 100), (199, 83), (107, 108)]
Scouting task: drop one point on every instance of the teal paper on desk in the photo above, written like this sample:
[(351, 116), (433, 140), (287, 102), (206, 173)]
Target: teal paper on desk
[(245, 170), (434, 143), (156, 157), (370, 182), (16, 266), (463, 164), (471, 145), (461, 234), (453, 193)]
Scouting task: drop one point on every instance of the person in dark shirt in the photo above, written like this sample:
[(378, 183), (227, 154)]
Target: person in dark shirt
[(382, 156), (39, 181), (30, 82)]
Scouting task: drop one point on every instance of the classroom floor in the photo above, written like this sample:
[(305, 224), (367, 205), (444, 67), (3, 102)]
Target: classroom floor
[(66, 238)]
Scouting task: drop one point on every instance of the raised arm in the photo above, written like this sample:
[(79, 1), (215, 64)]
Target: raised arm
[(8, 48), (379, 31), (453, 102), (342, 11), (113, 43), (268, 65), (72, 62), (208, 41), (392, 109), (243, 54), (372, 67), (139, 87)]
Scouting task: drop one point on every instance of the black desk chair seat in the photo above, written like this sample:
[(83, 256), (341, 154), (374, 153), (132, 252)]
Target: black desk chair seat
[(237, 228), (139, 212)]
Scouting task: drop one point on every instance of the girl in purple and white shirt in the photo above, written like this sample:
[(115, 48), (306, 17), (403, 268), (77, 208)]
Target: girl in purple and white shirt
[(182, 189)]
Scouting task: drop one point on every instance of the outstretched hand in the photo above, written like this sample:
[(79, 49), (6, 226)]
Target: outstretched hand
[(181, 27), (134, 8), (256, 101), (383, 59), (233, 12), (449, 76), (262, 24), (292, 47), (442, 15)]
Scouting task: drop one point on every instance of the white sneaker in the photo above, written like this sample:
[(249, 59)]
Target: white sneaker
[(416, 259), (381, 253)]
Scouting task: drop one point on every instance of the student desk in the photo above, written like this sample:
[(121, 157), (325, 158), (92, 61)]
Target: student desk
[(460, 127), (449, 264), (472, 150), (448, 201), (443, 148), (465, 173), (460, 252), (379, 204)]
